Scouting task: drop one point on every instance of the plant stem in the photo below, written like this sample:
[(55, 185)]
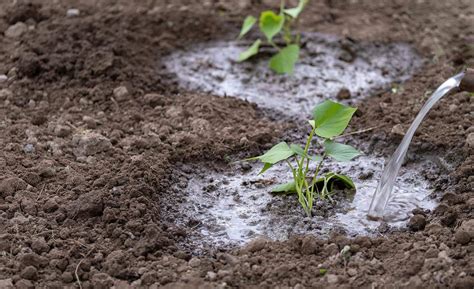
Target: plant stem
[(274, 45), (287, 30), (282, 6), (299, 186), (315, 177)]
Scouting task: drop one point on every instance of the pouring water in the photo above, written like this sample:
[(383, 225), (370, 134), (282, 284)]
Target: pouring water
[(381, 197)]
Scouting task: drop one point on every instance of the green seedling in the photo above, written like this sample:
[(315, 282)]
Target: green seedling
[(272, 25), (330, 119)]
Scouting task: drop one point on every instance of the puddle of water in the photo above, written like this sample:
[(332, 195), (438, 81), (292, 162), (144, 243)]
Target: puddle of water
[(326, 66), (234, 207)]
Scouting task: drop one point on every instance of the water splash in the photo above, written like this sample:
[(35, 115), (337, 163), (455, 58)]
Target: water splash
[(386, 183)]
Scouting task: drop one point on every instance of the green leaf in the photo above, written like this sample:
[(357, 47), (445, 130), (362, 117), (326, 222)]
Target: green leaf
[(266, 166), (327, 183), (249, 22), (322, 271), (297, 150), (270, 24), (284, 61), (285, 188), (331, 118), (346, 180), (276, 154), (317, 158), (332, 177), (312, 123), (251, 51), (340, 152), (294, 12)]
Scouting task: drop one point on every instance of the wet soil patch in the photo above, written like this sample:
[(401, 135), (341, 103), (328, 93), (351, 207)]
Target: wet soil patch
[(233, 205), (329, 67)]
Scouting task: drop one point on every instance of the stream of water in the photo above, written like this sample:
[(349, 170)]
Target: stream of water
[(384, 190)]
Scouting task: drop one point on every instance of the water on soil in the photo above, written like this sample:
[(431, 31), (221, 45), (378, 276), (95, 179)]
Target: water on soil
[(232, 207), (327, 66)]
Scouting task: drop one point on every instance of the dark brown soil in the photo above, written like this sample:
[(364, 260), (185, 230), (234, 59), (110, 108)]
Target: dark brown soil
[(92, 127)]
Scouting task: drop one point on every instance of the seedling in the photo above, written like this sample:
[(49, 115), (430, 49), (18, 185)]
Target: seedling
[(271, 25), (330, 119)]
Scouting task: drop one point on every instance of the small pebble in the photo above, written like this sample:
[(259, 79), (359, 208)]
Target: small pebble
[(121, 93), (3, 78), (398, 130), (73, 12), (29, 148), (211, 276)]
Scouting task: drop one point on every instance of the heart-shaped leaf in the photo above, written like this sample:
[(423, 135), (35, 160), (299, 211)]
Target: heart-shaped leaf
[(277, 153), (251, 51), (284, 61), (249, 22), (331, 118), (270, 24), (340, 152), (294, 12)]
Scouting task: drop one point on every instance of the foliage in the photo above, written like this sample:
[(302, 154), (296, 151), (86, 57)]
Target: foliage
[(271, 25), (330, 119)]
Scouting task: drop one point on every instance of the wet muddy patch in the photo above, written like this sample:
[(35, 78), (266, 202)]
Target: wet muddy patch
[(329, 67), (234, 205)]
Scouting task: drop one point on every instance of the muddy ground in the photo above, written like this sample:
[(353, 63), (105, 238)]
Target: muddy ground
[(93, 129)]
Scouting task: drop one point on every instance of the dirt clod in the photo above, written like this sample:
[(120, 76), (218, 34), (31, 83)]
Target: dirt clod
[(16, 30), (11, 185), (470, 140), (62, 130), (39, 119), (6, 284), (343, 94), (29, 273), (24, 284), (32, 259), (39, 245), (417, 222), (90, 143), (256, 245), (309, 245)]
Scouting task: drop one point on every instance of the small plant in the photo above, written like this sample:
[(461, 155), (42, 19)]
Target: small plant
[(330, 119), (272, 24)]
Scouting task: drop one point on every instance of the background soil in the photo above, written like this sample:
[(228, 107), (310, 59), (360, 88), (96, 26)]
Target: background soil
[(92, 127)]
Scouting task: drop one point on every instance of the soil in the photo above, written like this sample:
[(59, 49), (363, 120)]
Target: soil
[(93, 128)]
